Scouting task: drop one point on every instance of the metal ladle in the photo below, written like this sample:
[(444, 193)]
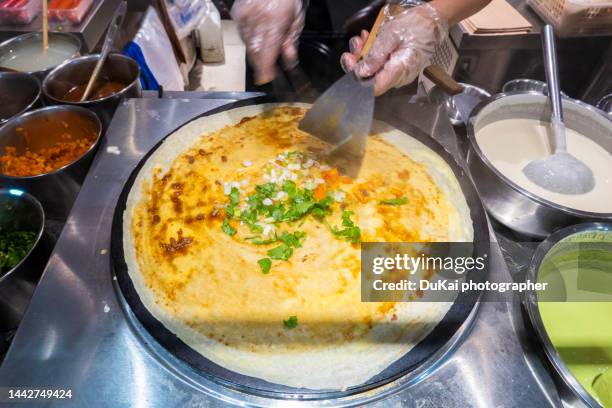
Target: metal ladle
[(106, 47), (560, 172)]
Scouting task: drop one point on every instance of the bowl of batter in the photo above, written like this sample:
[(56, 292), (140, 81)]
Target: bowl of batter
[(513, 129)]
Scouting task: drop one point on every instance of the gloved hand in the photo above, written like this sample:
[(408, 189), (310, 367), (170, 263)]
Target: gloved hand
[(269, 28), (402, 48)]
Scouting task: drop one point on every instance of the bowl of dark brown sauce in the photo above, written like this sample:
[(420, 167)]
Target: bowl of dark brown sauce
[(119, 78)]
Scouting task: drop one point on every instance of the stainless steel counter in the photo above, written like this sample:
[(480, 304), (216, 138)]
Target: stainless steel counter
[(78, 333)]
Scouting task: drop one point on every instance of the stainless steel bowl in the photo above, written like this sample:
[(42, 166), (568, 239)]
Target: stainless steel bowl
[(19, 92), (58, 189), (10, 45), (22, 212), (605, 104), (78, 71), (526, 85), (505, 201), (438, 96), (572, 392)]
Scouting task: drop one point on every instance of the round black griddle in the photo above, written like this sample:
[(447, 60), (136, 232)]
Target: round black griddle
[(432, 343)]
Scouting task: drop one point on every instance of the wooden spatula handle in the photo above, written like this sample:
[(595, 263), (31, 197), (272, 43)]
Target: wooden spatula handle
[(438, 75)]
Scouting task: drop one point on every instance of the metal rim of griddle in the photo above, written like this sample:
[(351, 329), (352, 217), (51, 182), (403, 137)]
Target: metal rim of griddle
[(530, 302), (421, 360)]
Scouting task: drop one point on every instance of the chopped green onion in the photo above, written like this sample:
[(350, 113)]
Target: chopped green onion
[(265, 264), (291, 322), (281, 252), (227, 228), (234, 196), (395, 201)]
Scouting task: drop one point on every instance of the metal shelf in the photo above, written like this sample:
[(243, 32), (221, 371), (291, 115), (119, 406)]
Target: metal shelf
[(90, 30)]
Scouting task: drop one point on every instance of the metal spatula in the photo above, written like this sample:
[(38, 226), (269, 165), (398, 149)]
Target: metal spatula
[(342, 115), (560, 172)]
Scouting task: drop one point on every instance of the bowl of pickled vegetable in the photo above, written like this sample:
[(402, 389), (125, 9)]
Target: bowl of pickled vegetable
[(22, 223)]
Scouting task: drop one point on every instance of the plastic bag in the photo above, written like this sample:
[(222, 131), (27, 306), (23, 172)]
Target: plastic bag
[(186, 15), (151, 48)]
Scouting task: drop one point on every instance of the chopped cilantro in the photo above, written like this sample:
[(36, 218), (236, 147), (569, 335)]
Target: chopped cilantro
[(350, 232), (227, 228), (255, 228), (290, 188), (346, 218), (395, 201), (267, 189), (303, 207), (265, 264), (248, 216), (281, 252), (326, 202), (234, 196), (14, 246), (255, 200), (291, 322), (264, 241), (318, 212), (277, 212), (293, 240)]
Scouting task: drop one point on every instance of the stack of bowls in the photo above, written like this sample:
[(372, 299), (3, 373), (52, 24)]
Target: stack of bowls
[(36, 82)]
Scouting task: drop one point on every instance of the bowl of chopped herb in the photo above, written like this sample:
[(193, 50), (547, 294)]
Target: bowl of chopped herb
[(22, 221)]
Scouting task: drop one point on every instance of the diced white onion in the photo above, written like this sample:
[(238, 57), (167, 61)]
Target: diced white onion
[(310, 185), (268, 230), (339, 196)]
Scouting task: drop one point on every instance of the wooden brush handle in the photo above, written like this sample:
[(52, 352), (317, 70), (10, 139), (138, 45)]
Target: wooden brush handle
[(438, 76)]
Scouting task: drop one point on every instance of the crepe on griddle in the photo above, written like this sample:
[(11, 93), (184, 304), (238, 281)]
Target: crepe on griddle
[(195, 262)]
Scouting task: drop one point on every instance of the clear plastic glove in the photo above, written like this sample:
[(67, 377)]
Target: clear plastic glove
[(402, 49), (269, 28)]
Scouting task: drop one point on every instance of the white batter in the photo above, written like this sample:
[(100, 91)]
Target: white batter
[(511, 144)]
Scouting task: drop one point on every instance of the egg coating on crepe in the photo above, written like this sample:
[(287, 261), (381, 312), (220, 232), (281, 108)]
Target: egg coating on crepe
[(244, 242)]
